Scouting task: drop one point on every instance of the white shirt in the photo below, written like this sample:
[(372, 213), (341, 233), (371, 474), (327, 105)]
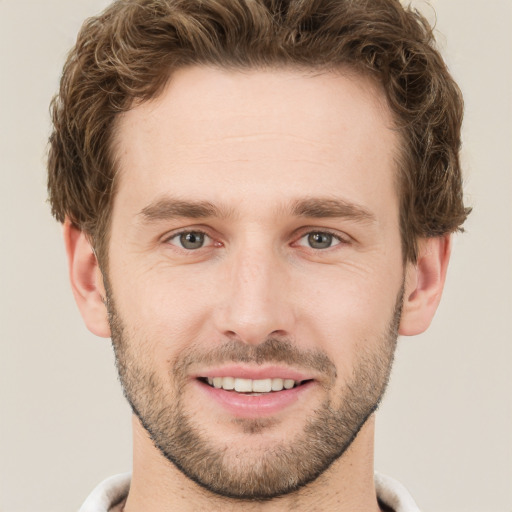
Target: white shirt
[(109, 496)]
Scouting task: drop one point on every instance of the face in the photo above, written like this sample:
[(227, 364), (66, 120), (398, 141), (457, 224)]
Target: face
[(255, 272)]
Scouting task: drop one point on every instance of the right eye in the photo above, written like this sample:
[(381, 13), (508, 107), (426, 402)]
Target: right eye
[(190, 240), (319, 240)]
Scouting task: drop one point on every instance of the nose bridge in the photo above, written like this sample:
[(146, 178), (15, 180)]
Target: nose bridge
[(252, 267), (255, 306)]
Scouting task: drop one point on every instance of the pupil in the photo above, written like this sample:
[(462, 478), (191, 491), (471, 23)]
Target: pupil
[(320, 240), (192, 240)]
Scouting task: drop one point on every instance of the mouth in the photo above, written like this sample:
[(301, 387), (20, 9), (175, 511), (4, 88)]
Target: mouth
[(244, 391), (252, 387)]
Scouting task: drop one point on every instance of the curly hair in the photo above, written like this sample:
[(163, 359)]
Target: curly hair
[(127, 54)]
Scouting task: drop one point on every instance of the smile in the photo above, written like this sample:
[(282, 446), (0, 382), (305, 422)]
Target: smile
[(253, 391), (240, 385)]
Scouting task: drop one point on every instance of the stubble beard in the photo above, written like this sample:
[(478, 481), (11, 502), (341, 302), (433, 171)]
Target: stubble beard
[(248, 474)]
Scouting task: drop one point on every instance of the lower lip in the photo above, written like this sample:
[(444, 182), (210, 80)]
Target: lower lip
[(241, 405)]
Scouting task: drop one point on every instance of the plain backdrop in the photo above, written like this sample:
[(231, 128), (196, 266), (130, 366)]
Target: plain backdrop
[(445, 428)]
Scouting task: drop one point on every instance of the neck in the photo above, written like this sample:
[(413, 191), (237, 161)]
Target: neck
[(347, 486)]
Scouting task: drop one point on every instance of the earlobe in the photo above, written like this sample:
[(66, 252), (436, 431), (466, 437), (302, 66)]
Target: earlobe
[(86, 280), (424, 284)]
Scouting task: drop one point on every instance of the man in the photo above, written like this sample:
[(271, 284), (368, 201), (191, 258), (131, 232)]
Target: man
[(257, 198)]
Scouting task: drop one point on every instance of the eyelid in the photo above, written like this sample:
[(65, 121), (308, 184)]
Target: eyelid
[(343, 238), (169, 237)]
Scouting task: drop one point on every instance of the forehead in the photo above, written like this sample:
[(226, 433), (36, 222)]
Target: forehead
[(277, 133)]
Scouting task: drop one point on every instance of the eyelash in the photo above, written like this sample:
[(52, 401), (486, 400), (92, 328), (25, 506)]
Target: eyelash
[(335, 236), (311, 231), (187, 232)]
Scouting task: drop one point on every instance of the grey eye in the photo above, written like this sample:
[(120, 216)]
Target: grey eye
[(190, 240), (319, 240)]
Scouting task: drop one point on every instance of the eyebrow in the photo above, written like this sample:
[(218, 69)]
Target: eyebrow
[(327, 208), (168, 208)]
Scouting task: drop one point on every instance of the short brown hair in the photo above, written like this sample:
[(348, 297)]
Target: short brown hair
[(128, 53)]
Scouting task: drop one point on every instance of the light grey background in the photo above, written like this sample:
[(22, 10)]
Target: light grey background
[(445, 429)]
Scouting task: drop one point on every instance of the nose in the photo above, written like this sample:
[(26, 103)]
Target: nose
[(256, 296)]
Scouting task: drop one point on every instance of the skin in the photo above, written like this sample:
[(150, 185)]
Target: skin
[(254, 144)]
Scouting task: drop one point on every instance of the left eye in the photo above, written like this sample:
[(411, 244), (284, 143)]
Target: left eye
[(190, 240), (319, 240)]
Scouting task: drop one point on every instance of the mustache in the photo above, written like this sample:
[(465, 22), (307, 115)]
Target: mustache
[(272, 350)]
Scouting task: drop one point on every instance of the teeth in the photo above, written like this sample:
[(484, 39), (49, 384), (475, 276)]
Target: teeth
[(228, 383), (262, 386), (277, 384), (251, 386), (243, 385), (288, 384)]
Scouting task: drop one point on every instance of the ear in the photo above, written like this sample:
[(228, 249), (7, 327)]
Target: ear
[(424, 284), (86, 280)]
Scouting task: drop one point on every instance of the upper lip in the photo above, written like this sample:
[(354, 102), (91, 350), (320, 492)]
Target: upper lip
[(243, 371)]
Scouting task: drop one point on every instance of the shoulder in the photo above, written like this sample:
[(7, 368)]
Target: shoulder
[(394, 495), (108, 494)]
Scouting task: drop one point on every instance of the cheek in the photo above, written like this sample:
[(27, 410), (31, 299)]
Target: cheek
[(163, 312), (350, 316), (155, 291)]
